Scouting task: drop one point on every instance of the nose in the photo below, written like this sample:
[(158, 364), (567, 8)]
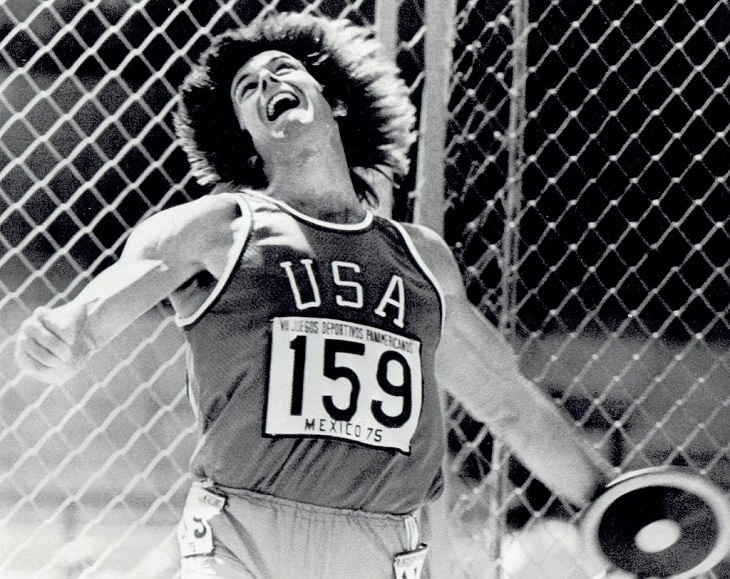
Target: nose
[(265, 78)]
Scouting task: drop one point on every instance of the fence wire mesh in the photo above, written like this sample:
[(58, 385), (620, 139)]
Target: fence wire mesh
[(587, 201)]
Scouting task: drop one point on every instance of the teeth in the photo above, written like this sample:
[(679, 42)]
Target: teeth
[(279, 103)]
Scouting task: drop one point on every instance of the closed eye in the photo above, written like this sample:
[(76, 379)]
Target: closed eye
[(247, 84), (286, 68), (284, 65)]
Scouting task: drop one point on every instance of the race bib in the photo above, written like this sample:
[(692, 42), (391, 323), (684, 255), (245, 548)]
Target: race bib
[(194, 533), (410, 565), (343, 380)]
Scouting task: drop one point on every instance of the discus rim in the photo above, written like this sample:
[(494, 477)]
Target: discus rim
[(677, 478)]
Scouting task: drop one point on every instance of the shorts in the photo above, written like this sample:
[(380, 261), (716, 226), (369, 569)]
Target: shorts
[(240, 534)]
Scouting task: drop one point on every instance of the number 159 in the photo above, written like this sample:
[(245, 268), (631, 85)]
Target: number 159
[(334, 371)]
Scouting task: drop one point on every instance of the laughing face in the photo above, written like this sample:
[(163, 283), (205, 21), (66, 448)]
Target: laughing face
[(274, 96)]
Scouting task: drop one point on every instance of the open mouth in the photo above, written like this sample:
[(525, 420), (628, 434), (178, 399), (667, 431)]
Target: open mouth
[(280, 103)]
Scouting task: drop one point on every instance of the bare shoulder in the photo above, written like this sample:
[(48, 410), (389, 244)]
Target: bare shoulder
[(437, 255), (187, 232), (427, 240), (198, 215)]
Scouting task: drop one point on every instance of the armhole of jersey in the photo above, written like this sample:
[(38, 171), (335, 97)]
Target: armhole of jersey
[(234, 256), (422, 264), (191, 397)]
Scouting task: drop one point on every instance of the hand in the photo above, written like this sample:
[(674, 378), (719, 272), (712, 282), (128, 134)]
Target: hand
[(50, 345)]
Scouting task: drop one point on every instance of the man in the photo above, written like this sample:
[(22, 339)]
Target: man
[(315, 329)]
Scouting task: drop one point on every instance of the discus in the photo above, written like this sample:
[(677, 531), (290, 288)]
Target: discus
[(659, 522)]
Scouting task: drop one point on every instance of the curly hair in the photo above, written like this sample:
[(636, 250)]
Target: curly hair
[(376, 133)]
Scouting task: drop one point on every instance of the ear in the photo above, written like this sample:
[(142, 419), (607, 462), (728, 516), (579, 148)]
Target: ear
[(339, 109)]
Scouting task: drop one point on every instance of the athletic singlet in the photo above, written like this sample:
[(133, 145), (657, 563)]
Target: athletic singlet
[(311, 364)]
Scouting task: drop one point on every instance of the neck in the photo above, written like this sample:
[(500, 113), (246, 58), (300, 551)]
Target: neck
[(316, 181)]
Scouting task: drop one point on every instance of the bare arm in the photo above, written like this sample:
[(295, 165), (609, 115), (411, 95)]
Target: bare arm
[(480, 369), (160, 255)]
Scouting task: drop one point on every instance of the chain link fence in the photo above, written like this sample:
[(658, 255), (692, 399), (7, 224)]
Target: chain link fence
[(586, 198)]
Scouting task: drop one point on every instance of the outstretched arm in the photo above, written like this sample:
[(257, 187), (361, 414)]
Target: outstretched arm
[(160, 255), (479, 368)]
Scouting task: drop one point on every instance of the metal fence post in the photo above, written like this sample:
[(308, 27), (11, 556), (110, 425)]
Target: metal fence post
[(515, 162), (510, 249), (429, 202), (386, 24)]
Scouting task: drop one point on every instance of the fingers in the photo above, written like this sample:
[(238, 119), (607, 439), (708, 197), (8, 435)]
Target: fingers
[(43, 347), (53, 334), (29, 361)]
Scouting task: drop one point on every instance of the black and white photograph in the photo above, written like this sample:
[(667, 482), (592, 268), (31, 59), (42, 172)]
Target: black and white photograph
[(365, 289)]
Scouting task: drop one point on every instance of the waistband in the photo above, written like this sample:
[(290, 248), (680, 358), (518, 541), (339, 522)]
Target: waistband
[(306, 509)]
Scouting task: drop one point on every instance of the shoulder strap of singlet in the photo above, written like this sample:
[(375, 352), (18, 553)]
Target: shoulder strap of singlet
[(234, 256), (422, 265)]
